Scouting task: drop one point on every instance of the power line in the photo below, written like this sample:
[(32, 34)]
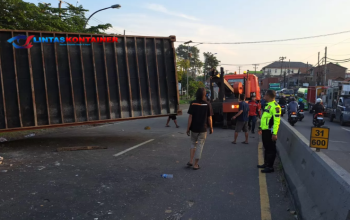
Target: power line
[(270, 41), (339, 60), (341, 55), (246, 64)]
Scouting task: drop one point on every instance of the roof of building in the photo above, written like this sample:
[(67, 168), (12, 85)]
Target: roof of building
[(332, 64), (337, 78), (286, 64)]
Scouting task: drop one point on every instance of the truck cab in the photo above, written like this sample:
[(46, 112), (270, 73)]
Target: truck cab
[(342, 111), (338, 103), (226, 104)]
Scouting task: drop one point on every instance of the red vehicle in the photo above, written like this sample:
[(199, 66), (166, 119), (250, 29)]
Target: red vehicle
[(226, 105), (315, 92)]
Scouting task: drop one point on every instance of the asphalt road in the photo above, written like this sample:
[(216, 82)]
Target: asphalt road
[(339, 139), (124, 181)]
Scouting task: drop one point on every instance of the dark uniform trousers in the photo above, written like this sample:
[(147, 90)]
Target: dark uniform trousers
[(270, 148)]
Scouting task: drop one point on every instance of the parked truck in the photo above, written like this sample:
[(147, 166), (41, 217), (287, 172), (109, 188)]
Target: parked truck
[(302, 94), (53, 81), (338, 103), (226, 105), (315, 92)]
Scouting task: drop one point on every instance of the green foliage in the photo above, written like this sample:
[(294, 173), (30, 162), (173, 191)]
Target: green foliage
[(182, 53), (20, 15), (193, 85), (210, 61)]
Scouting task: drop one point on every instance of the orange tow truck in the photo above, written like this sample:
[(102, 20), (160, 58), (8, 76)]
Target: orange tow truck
[(226, 105)]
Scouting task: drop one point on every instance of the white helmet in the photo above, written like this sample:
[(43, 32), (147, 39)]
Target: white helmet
[(318, 100)]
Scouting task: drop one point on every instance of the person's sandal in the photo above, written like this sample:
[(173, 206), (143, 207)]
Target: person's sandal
[(189, 164), (196, 168)]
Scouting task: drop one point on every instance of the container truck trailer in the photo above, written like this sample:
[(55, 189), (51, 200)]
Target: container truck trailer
[(52, 81)]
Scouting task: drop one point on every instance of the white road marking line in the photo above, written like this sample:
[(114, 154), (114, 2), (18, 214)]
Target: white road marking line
[(132, 148), (345, 129)]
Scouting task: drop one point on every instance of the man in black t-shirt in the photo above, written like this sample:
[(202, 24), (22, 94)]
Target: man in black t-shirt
[(200, 116)]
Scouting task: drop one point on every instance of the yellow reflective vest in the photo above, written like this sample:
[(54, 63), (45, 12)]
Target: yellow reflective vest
[(271, 117)]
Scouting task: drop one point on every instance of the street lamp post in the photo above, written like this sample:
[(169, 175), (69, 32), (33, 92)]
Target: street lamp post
[(113, 6), (188, 57)]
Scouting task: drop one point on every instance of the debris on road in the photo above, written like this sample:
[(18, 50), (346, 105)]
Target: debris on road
[(167, 176), (41, 168), (30, 135), (147, 128), (190, 203), (79, 148), (3, 139)]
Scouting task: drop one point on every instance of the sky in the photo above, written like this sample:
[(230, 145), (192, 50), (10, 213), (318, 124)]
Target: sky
[(235, 21)]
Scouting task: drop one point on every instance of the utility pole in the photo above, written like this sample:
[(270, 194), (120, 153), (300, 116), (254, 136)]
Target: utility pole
[(284, 78), (255, 65), (59, 6), (318, 69), (239, 70), (188, 57), (226, 71), (325, 66)]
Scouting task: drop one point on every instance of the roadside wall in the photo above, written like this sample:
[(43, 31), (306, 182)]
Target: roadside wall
[(320, 187)]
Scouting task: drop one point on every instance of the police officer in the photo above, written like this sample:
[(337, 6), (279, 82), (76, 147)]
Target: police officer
[(269, 125)]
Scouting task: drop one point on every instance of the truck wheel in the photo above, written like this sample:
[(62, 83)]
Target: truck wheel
[(331, 117), (342, 121)]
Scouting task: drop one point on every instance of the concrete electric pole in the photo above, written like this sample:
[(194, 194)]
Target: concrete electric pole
[(188, 57), (325, 67), (284, 79), (255, 65)]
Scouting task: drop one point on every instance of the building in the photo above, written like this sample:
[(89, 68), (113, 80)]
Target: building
[(277, 68), (298, 79), (333, 71)]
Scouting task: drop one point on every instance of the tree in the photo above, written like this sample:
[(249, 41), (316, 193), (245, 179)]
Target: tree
[(210, 61), (195, 63), (20, 15)]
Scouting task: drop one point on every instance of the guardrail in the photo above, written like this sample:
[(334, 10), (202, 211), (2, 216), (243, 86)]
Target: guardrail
[(320, 187)]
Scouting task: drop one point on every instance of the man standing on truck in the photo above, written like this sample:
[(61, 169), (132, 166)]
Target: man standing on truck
[(253, 113), (242, 119), (269, 124), (200, 116)]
